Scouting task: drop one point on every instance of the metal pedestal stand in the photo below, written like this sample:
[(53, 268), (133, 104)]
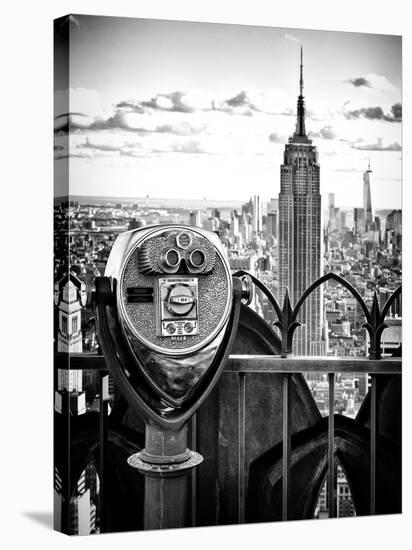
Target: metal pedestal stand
[(165, 462)]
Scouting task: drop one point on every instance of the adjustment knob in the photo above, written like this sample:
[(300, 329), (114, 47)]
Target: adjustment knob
[(180, 300)]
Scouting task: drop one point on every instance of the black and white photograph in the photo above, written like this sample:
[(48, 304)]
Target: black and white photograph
[(227, 227)]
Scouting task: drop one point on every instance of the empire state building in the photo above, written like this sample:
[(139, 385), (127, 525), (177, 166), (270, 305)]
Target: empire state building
[(300, 231)]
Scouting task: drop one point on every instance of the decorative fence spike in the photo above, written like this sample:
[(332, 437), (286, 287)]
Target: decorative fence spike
[(287, 321), (287, 325)]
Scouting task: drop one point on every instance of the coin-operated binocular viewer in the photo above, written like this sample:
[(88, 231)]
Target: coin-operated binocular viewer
[(167, 311)]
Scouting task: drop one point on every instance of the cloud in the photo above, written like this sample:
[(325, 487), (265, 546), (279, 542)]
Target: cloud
[(372, 113), (181, 101), (109, 144), (289, 36), (102, 146), (182, 128), (74, 154), (125, 120), (178, 101), (246, 102), (327, 132), (82, 101), (189, 146), (164, 113), (195, 122), (378, 146), (130, 105), (133, 153), (277, 138), (148, 123), (396, 110), (72, 121), (376, 113), (239, 100), (372, 81), (358, 82)]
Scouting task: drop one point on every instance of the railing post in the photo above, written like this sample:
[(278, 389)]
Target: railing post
[(331, 447), (373, 431), (103, 439), (286, 445), (241, 448), (193, 486), (66, 478)]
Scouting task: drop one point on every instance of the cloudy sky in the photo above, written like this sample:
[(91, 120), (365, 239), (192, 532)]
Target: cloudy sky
[(193, 110)]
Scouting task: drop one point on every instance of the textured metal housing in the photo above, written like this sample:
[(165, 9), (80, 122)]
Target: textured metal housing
[(140, 320)]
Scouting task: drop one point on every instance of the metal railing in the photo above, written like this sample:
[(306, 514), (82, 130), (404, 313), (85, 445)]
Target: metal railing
[(286, 365), (244, 365)]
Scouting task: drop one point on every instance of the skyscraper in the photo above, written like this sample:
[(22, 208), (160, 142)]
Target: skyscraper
[(359, 220), (300, 231), (367, 200), (257, 214), (272, 218), (70, 297), (234, 225), (271, 227), (334, 214), (195, 218)]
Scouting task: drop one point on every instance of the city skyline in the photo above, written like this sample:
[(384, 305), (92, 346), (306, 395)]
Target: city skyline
[(196, 127)]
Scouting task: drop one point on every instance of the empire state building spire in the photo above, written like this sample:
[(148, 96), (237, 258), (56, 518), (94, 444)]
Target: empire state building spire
[(300, 131), (300, 232)]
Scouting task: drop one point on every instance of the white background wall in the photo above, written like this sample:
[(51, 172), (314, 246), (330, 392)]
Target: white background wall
[(26, 398)]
